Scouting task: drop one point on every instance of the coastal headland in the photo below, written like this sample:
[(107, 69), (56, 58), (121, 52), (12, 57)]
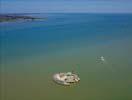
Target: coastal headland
[(17, 17)]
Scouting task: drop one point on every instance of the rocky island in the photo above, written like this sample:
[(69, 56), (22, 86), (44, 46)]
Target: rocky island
[(17, 17)]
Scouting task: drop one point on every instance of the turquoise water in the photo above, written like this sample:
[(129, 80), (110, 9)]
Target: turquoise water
[(31, 52)]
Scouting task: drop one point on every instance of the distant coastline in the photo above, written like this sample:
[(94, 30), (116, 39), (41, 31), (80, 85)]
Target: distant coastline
[(17, 17)]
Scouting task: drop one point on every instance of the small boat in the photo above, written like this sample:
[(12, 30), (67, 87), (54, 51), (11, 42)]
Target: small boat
[(66, 78), (102, 58)]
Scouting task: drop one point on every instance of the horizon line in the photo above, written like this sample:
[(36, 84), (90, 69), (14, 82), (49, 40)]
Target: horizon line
[(65, 12)]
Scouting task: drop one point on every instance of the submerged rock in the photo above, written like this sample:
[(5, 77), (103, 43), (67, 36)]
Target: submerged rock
[(66, 78)]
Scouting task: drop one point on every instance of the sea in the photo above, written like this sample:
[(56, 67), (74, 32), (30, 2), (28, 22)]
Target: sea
[(31, 52)]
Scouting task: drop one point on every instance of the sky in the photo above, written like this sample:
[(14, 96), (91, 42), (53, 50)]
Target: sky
[(66, 6)]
